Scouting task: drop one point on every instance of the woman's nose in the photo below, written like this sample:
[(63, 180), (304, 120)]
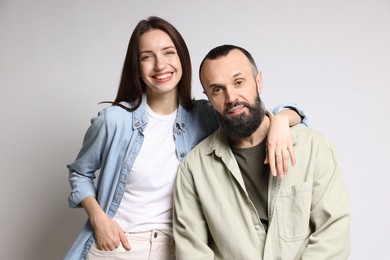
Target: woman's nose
[(159, 63)]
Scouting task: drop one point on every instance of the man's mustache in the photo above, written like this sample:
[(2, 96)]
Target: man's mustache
[(234, 104)]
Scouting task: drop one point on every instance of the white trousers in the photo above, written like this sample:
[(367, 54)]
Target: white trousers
[(152, 245)]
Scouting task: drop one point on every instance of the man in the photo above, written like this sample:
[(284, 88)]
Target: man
[(228, 206)]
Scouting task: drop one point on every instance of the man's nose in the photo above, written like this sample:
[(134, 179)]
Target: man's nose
[(231, 95)]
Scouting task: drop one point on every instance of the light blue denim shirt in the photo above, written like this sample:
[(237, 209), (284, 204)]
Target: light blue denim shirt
[(111, 145)]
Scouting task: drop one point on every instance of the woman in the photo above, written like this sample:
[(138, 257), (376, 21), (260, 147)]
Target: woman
[(137, 144)]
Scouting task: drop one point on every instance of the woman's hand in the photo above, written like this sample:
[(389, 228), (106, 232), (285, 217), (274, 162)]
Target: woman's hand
[(108, 234), (279, 145)]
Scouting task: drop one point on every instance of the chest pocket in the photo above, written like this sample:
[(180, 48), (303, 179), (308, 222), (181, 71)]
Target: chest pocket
[(293, 211)]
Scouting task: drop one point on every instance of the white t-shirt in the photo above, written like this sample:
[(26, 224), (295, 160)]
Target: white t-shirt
[(147, 201)]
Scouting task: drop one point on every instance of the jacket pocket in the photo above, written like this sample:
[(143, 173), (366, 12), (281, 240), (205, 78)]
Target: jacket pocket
[(293, 211)]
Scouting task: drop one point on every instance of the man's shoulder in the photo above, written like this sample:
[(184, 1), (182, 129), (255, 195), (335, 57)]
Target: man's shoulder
[(205, 147), (303, 134)]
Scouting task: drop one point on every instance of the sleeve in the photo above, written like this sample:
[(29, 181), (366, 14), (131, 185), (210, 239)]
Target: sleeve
[(296, 108), (189, 224), (82, 171), (330, 213)]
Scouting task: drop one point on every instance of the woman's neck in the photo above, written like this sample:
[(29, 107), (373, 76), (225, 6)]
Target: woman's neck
[(163, 103)]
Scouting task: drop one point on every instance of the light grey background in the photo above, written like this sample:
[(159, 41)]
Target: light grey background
[(58, 59)]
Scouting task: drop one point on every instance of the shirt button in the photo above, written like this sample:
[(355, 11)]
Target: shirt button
[(183, 125), (155, 234), (182, 155), (178, 133), (257, 227)]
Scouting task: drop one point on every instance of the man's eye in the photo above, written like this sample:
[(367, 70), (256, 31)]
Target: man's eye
[(239, 82), (217, 90)]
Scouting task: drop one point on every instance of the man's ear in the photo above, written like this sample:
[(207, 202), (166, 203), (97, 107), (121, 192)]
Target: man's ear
[(259, 81), (204, 92)]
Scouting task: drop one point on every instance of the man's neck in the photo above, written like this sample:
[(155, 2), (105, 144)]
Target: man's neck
[(257, 137)]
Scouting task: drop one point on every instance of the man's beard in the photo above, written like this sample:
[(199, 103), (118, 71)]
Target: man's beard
[(243, 125)]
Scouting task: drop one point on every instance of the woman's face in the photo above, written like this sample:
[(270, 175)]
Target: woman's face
[(160, 65)]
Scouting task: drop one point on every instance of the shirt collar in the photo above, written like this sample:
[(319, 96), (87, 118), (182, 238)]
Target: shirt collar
[(140, 117)]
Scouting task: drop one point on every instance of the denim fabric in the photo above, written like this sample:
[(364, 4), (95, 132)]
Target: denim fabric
[(111, 145)]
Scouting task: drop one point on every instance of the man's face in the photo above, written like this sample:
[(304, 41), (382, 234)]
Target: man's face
[(234, 93)]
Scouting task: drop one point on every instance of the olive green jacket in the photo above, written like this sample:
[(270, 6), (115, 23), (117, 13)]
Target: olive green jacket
[(308, 210)]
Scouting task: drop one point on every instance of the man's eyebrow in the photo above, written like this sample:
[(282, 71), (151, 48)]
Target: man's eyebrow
[(213, 85), (237, 74), (219, 85)]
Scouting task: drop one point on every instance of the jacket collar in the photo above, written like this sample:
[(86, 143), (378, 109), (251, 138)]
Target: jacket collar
[(219, 144), (140, 117), (182, 117)]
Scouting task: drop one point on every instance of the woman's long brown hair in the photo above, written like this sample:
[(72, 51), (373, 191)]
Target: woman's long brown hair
[(132, 87)]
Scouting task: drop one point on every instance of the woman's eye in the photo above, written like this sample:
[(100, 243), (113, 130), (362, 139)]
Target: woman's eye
[(170, 52), (145, 57)]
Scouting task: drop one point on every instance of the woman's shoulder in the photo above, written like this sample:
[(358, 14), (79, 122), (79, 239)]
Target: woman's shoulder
[(202, 106), (202, 116), (121, 109), (200, 102), (114, 114)]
